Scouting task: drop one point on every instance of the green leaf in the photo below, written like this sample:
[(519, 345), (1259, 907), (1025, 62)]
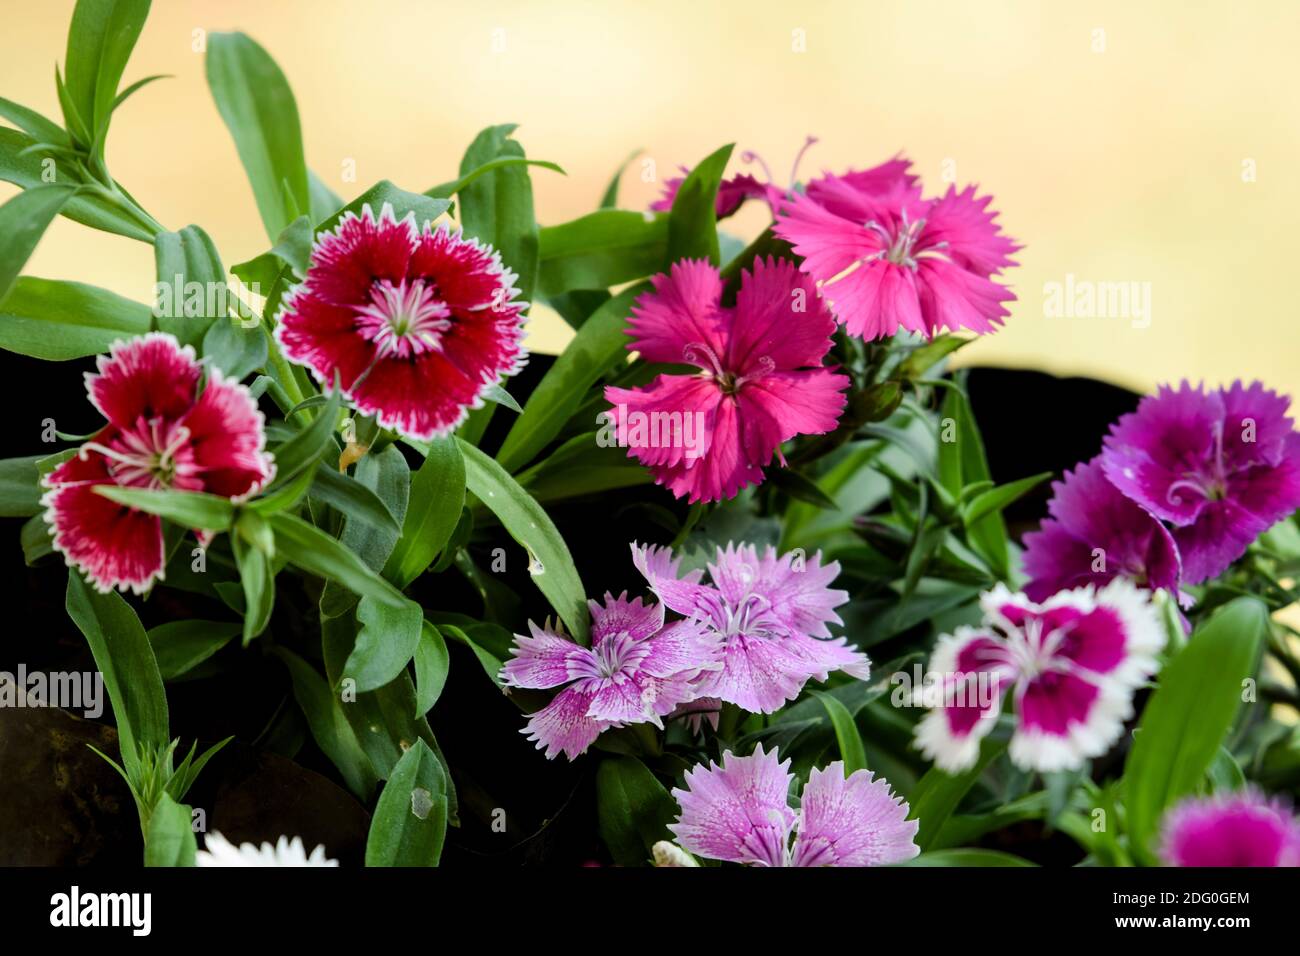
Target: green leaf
[(236, 350), (551, 564), (799, 487), (967, 857), (610, 199), (582, 466), (192, 292), (324, 201), (995, 500), (437, 496), (125, 658), (190, 509), (329, 726), (258, 108), (257, 578), (21, 165), (181, 646), (496, 393), (23, 220), (410, 821), (490, 663), (925, 357), (20, 487), (56, 321), (388, 476), (600, 250), (448, 189), (382, 720), (633, 810), (852, 752), (292, 248), (315, 552), (304, 450), (385, 644), (36, 540), (1186, 720), (34, 124), (170, 839), (599, 345), (100, 41), (961, 462), (938, 793), (352, 498), (431, 665), (693, 222), (498, 207), (424, 208)]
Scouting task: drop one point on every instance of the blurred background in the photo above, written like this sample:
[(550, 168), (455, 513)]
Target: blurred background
[(1155, 146)]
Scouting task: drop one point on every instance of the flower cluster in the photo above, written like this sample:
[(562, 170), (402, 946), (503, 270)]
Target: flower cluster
[(875, 256), (1182, 487), (754, 638), (1071, 663)]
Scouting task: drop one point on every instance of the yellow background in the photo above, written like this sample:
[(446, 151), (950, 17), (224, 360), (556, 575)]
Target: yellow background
[(1123, 163)]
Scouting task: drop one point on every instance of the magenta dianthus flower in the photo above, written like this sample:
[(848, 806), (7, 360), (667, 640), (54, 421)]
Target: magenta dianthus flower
[(1096, 533), (1236, 829), (760, 379), (740, 812), (889, 259), (771, 614), (636, 671), (1222, 466)]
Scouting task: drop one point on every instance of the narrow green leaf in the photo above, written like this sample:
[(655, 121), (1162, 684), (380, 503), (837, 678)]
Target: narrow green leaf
[(100, 41), (191, 290), (967, 857), (437, 496), (995, 500), (600, 250), (410, 821), (610, 199), (20, 487), (431, 665), (257, 577), (314, 551), (388, 476), (181, 646), (170, 840), (633, 810), (852, 752), (550, 563), (328, 725), (34, 124), (498, 207), (258, 108), (236, 350), (23, 220), (693, 222), (190, 509), (938, 793), (56, 321), (305, 449), (1186, 719), (352, 498), (599, 345), (125, 659), (386, 642), (22, 164), (448, 189)]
